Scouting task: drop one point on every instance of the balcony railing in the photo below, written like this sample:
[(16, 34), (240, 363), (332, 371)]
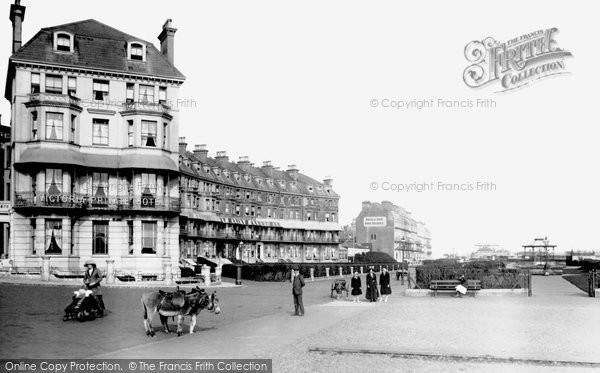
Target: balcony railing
[(147, 107), (45, 98), (80, 201)]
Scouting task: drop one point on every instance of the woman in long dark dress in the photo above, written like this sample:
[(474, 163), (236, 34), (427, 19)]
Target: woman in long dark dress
[(355, 284), (384, 282), (372, 293)]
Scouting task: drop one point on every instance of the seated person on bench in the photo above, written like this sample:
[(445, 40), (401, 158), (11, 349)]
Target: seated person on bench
[(461, 289)]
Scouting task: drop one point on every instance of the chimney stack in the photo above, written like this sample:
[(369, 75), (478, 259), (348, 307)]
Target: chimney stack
[(182, 146), (293, 171), (167, 41), (328, 180), (17, 16), (222, 156), (267, 167), (201, 152)]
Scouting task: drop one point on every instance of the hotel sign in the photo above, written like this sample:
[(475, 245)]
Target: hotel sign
[(374, 221)]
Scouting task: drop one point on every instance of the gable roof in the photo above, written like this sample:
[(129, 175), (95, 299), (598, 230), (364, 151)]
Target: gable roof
[(96, 46)]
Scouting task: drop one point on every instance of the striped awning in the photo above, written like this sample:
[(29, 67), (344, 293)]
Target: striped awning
[(250, 222)]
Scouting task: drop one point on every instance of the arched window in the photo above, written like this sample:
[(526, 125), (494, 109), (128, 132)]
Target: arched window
[(137, 51), (63, 42)]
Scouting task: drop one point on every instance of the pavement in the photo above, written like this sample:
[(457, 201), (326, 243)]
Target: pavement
[(553, 330), (549, 330)]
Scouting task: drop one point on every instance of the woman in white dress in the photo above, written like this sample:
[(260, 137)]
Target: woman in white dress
[(461, 289)]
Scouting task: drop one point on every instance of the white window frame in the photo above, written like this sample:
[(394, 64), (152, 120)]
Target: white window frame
[(71, 41), (130, 46)]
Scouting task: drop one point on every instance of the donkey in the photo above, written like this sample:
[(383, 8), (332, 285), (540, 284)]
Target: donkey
[(177, 304)]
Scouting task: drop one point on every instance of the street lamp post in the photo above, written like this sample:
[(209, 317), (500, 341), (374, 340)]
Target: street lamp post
[(238, 280), (402, 243)]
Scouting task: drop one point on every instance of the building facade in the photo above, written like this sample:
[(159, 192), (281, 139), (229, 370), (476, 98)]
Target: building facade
[(236, 211), (5, 161), (391, 229), (95, 151)]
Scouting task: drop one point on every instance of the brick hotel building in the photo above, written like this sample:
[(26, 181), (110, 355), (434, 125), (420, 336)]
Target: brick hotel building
[(391, 229), (98, 170), (255, 214)]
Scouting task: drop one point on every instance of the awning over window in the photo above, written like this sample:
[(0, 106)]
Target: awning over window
[(206, 216), (147, 162), (72, 157), (256, 222), (309, 225), (216, 261)]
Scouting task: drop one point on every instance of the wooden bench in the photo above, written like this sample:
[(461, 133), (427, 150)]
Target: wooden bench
[(450, 285)]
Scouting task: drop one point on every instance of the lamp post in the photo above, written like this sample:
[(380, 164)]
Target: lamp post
[(238, 279), (402, 243)]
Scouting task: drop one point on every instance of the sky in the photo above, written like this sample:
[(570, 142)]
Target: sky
[(312, 83)]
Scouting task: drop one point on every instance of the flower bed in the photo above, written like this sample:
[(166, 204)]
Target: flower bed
[(493, 274)]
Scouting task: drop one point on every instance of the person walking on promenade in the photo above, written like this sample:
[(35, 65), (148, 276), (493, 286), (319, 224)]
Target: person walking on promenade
[(355, 284), (461, 289), (384, 282), (297, 285), (92, 279), (372, 293)]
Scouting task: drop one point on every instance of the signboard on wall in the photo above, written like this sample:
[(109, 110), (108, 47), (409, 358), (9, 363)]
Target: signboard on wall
[(374, 221)]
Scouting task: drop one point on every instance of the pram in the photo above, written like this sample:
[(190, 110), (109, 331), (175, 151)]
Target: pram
[(84, 306)]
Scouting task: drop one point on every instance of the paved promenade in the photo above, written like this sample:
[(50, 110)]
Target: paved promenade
[(554, 325), (406, 334)]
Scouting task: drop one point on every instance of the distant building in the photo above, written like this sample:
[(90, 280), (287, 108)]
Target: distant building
[(391, 229), (579, 255), (490, 252)]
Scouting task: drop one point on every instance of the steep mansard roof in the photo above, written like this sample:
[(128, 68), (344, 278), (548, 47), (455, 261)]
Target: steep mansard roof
[(96, 46), (302, 181)]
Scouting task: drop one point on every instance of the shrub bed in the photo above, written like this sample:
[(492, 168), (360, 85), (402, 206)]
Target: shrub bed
[(493, 274)]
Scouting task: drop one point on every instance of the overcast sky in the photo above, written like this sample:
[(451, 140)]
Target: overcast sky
[(293, 83)]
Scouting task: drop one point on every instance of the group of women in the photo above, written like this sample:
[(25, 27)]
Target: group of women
[(372, 293)]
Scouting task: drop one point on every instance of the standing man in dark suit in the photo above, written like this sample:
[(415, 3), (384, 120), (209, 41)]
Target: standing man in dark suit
[(297, 285)]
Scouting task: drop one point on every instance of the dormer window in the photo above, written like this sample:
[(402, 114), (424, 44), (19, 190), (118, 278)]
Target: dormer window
[(136, 51), (63, 42)]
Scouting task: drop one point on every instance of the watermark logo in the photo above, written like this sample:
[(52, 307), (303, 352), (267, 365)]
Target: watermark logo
[(514, 63)]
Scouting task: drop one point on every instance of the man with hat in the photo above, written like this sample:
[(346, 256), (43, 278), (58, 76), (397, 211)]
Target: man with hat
[(91, 280), (297, 285)]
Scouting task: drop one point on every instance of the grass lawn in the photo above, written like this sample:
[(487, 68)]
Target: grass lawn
[(580, 280)]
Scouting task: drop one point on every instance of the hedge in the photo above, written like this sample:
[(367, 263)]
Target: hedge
[(589, 264), (374, 257), (282, 271), (493, 274)]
